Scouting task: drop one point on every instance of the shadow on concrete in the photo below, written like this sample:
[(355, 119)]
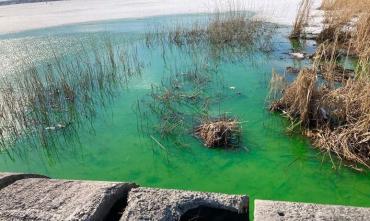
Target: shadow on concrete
[(206, 213)]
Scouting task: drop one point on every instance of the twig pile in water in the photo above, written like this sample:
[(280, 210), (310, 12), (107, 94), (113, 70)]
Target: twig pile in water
[(221, 132)]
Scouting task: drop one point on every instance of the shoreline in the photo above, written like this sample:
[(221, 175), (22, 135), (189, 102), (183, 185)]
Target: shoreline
[(32, 16)]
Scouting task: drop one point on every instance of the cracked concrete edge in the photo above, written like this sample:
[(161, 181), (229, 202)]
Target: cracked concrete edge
[(9, 178), (170, 204), (115, 195), (62, 199), (268, 210)]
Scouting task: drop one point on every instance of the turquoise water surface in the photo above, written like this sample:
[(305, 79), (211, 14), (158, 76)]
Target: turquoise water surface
[(114, 147)]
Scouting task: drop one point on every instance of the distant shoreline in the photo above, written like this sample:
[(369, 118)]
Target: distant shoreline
[(13, 2), (36, 14)]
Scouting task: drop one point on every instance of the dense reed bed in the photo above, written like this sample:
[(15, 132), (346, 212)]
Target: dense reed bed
[(336, 119), (329, 103)]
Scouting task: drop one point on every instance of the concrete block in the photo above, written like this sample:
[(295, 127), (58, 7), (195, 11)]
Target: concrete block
[(173, 205), (48, 199), (265, 210)]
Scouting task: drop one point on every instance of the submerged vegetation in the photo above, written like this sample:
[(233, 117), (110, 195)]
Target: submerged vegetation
[(46, 102), (329, 102), (168, 108), (181, 97), (40, 102), (187, 96)]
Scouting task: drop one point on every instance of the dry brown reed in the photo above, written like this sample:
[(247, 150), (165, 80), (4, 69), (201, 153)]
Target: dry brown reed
[(360, 43), (348, 17), (223, 30), (346, 34), (297, 97), (336, 119), (302, 18), (335, 116), (357, 5), (221, 132), (348, 131), (326, 61), (276, 86)]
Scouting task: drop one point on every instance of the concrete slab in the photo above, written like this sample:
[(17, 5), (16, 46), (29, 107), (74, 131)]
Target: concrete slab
[(173, 205), (265, 210), (8, 178), (48, 199)]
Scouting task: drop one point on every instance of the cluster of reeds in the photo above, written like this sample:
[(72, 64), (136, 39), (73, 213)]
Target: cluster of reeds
[(336, 119), (329, 103), (346, 34), (237, 30), (301, 20), (346, 111), (220, 132), (222, 32), (276, 86), (327, 60), (45, 99), (348, 21), (297, 97)]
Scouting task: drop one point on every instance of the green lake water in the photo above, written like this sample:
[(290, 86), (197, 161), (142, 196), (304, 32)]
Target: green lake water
[(273, 165)]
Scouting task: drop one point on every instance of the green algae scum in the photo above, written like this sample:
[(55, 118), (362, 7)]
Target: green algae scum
[(120, 100)]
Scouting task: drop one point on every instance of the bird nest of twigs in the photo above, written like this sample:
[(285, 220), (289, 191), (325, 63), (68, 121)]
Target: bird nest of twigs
[(221, 132)]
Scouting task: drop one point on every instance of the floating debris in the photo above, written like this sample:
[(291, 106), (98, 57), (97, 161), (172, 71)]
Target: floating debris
[(297, 55), (57, 127)]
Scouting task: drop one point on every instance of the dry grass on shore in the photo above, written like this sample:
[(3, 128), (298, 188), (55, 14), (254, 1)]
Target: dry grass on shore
[(349, 21), (329, 104), (337, 120)]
